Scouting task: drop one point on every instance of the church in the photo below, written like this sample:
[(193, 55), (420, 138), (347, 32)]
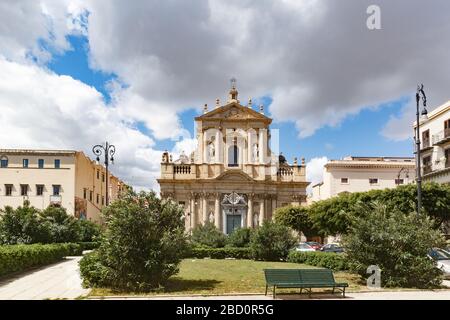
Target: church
[(233, 179)]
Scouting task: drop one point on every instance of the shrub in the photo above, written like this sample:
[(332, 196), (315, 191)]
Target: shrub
[(16, 258), (239, 238), (142, 246), (89, 245), (219, 253), (88, 231), (396, 242), (208, 235), (327, 260), (59, 226), (21, 225), (272, 242)]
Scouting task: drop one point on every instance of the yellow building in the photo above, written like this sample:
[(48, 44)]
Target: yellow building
[(64, 178), (233, 178)]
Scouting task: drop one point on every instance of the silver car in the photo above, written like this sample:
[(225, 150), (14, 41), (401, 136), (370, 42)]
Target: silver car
[(442, 258)]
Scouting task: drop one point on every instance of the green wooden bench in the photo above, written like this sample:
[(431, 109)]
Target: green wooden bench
[(302, 279)]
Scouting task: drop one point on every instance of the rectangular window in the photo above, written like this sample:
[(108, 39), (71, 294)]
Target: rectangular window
[(23, 189), (399, 181), (344, 180), (8, 189), (91, 195), (426, 139), (56, 189), (4, 162), (57, 163), (103, 200), (84, 193), (25, 163), (40, 163), (103, 177), (447, 128), (98, 198), (373, 181), (39, 189), (98, 174)]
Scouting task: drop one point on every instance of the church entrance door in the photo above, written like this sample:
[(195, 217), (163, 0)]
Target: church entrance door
[(234, 208)]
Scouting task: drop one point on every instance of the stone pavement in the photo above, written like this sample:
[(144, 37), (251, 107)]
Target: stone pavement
[(57, 281), (386, 295)]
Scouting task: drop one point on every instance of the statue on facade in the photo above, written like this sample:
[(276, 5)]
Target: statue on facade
[(255, 152), (211, 150), (211, 217)]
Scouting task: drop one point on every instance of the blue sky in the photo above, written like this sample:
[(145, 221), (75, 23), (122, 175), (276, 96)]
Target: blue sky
[(358, 134)]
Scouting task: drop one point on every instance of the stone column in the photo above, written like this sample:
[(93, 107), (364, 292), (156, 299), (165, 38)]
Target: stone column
[(250, 211), (262, 145), (204, 208), (261, 210), (219, 146), (250, 146), (274, 205), (193, 219), (201, 144), (217, 215)]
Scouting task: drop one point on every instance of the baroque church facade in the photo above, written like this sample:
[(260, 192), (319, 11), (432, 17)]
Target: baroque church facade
[(232, 179)]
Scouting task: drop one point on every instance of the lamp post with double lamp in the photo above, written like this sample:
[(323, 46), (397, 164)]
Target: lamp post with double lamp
[(108, 150), (420, 95)]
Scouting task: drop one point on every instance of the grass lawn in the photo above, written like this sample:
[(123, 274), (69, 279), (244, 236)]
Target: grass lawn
[(210, 276)]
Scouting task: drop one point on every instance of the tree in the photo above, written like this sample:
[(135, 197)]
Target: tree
[(21, 225), (208, 235), (60, 226), (272, 242), (142, 245), (397, 243), (296, 217)]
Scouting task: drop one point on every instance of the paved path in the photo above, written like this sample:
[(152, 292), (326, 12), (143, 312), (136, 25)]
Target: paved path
[(57, 281), (398, 295)]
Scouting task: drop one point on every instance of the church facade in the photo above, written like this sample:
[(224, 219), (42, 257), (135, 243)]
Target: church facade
[(233, 179)]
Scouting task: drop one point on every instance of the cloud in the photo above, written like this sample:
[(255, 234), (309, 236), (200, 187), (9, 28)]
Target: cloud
[(314, 171), (43, 110), (317, 59)]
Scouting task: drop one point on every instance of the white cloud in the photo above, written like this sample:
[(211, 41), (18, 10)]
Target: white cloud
[(314, 171), (43, 110), (400, 127)]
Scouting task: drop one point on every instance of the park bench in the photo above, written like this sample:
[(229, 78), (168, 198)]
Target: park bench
[(302, 279)]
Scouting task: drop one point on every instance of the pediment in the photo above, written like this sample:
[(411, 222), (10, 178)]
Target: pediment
[(234, 111), (234, 176)]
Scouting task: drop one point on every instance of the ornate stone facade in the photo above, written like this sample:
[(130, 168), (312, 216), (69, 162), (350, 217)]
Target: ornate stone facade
[(232, 179)]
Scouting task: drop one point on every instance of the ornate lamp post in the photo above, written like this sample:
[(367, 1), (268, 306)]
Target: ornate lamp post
[(419, 95), (108, 150)]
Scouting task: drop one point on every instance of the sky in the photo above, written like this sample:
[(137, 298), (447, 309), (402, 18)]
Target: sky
[(74, 73)]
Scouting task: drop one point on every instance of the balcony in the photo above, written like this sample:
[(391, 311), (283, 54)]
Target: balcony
[(55, 200), (427, 168), (425, 144), (441, 137)]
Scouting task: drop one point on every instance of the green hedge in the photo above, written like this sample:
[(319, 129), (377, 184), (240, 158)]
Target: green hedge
[(327, 260), (219, 253), (20, 257)]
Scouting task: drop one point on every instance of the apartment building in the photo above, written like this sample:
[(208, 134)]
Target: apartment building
[(359, 174), (64, 178), (435, 144)]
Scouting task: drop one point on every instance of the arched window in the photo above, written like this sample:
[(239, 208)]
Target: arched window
[(233, 155), (4, 161)]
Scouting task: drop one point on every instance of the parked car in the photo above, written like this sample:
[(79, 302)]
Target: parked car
[(314, 245), (332, 247), (304, 247), (442, 258)]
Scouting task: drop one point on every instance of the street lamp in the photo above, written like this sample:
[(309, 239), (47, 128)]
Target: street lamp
[(419, 95), (108, 150)]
